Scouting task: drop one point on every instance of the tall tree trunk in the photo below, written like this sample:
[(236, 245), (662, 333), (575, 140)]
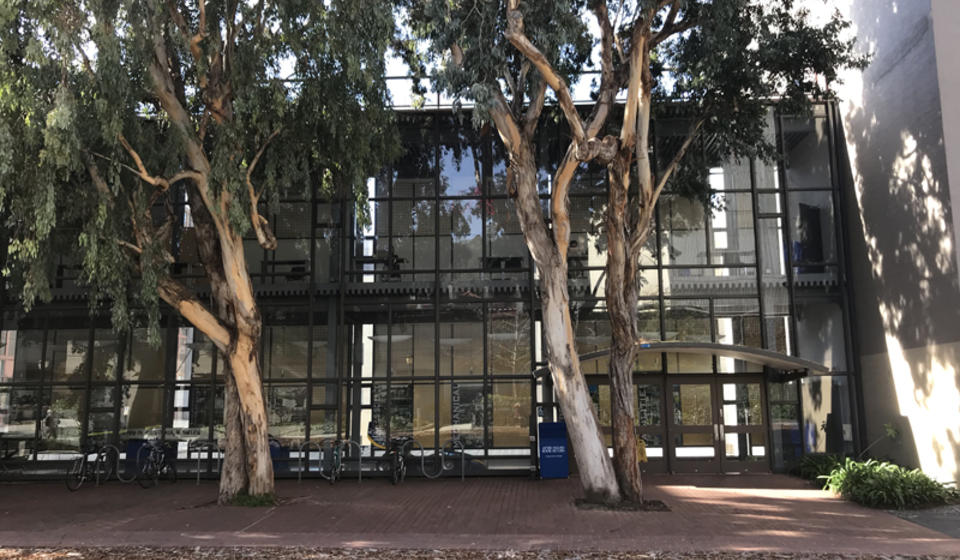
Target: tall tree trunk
[(233, 471), (621, 297), (593, 463), (243, 358)]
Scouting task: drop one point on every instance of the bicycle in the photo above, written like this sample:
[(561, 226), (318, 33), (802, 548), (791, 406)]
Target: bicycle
[(83, 467), (396, 459), (152, 465), (336, 460)]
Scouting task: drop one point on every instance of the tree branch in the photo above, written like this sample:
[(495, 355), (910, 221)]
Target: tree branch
[(194, 311), (672, 166), (532, 118), (261, 227), (560, 202), (514, 33)]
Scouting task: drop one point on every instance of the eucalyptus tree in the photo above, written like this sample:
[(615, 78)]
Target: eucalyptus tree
[(721, 62), (115, 114)]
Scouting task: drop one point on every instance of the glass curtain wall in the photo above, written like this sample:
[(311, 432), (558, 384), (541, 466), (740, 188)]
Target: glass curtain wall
[(419, 315)]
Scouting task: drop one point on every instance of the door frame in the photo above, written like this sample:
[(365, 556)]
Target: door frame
[(718, 428)]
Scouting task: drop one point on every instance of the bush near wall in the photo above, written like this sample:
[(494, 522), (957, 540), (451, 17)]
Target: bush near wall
[(815, 465), (880, 484)]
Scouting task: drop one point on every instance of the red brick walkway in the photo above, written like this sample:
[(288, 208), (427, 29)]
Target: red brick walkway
[(759, 512)]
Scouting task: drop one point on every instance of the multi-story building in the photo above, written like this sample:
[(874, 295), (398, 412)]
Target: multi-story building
[(419, 314)]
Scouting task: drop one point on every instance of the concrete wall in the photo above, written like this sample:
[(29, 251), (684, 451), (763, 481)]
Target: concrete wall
[(901, 123)]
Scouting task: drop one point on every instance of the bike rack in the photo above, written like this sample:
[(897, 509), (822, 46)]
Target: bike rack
[(119, 477), (199, 446), (443, 460), (463, 456), (308, 445), (359, 458)]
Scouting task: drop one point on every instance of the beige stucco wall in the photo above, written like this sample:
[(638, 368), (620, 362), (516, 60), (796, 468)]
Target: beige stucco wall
[(901, 121)]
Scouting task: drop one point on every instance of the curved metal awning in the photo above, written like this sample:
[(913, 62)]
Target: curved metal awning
[(767, 358)]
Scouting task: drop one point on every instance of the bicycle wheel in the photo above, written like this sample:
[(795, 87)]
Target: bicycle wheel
[(76, 474), (168, 472), (106, 465), (395, 469), (147, 473)]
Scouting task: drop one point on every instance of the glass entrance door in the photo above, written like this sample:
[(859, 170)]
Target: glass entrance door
[(743, 429), (694, 425), (717, 424)]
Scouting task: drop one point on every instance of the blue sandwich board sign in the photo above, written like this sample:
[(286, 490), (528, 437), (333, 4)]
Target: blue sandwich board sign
[(553, 450)]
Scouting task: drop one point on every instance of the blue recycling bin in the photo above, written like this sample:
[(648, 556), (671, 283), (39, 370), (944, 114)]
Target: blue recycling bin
[(554, 462)]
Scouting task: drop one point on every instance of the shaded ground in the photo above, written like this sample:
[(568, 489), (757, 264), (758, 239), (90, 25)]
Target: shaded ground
[(764, 514), (945, 519)]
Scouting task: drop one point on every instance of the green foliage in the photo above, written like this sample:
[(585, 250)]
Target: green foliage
[(74, 76), (731, 61), (260, 500), (814, 465), (886, 485)]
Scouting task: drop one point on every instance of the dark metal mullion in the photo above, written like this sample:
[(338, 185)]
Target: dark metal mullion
[(787, 237), (436, 278), (311, 301), (758, 256), (88, 366), (852, 357)]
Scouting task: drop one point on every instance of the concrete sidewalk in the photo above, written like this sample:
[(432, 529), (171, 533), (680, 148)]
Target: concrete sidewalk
[(752, 513)]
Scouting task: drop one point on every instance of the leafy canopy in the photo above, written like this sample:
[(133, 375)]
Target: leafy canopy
[(722, 61), (298, 81)]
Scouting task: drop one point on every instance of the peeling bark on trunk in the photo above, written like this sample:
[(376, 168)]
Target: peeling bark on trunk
[(593, 463), (252, 413), (621, 296), (233, 471)]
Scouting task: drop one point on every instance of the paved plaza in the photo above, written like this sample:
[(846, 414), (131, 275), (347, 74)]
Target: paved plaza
[(757, 513)]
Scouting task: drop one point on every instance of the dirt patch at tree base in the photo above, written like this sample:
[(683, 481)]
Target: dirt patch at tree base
[(646, 505)]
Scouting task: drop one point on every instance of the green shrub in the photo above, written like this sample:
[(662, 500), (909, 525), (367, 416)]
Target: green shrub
[(816, 465), (886, 485)]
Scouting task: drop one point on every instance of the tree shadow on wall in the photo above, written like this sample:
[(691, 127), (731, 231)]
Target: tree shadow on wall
[(901, 239)]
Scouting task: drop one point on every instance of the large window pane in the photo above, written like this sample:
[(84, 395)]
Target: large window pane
[(67, 351), (461, 341), (812, 231), (460, 234), (106, 345), (510, 426), (28, 362), (144, 361), (731, 230), (286, 412), (414, 172), (62, 413), (508, 339), (806, 149), (820, 336), (141, 412), (683, 223)]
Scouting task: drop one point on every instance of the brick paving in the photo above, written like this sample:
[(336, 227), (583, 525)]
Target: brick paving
[(708, 513)]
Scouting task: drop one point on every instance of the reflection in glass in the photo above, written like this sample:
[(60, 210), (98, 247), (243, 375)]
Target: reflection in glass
[(60, 420), (460, 234), (144, 362), (806, 149), (67, 351), (508, 339), (747, 446), (741, 404), (683, 225), (510, 426), (286, 412), (820, 333), (28, 362), (648, 405), (692, 404), (141, 412), (106, 345)]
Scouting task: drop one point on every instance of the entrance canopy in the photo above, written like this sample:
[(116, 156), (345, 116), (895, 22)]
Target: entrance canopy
[(775, 361)]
